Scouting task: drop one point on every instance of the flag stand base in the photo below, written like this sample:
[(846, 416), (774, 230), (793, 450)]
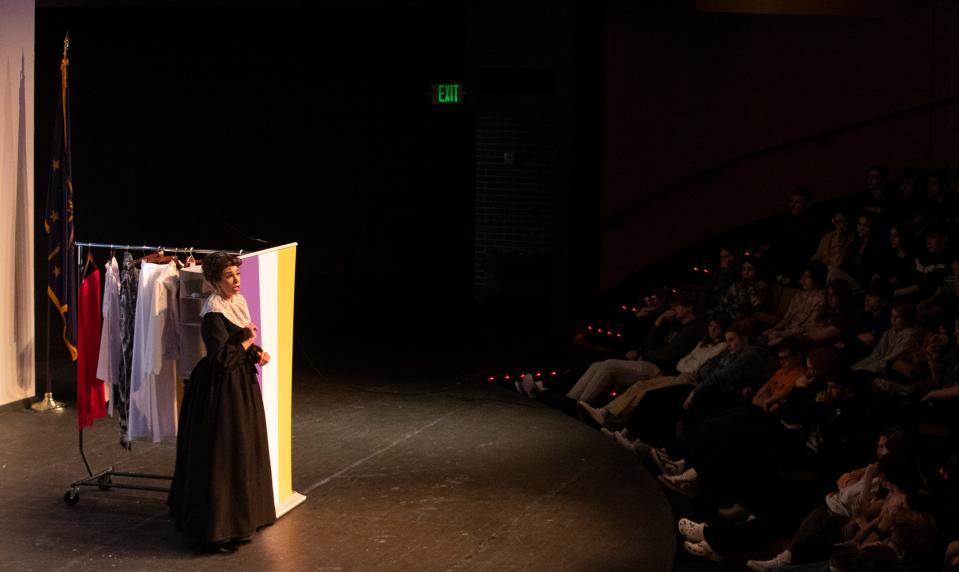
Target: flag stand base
[(47, 404)]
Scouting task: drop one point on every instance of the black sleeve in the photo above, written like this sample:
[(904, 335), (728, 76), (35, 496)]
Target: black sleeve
[(224, 349), (682, 343)]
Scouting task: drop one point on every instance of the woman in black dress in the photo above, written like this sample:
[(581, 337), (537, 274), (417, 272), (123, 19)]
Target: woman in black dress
[(222, 487)]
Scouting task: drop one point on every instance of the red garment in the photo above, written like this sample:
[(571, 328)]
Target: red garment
[(91, 403)]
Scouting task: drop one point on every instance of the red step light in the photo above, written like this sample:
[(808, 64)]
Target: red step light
[(539, 374), (552, 373)]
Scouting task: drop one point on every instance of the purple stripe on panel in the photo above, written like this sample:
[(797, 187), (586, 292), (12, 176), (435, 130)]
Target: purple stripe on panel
[(250, 270)]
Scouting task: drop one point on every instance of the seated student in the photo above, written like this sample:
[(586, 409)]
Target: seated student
[(712, 344), (771, 395), (931, 266), (674, 333), (903, 337), (907, 211), (898, 264), (832, 247), (804, 307), (721, 279), (678, 330), (794, 241), (941, 204), (877, 199), (722, 381), (637, 326), (838, 316), (856, 494), (861, 339), (863, 256), (748, 294)]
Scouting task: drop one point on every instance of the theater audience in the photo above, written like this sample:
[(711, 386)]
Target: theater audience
[(838, 316), (804, 307), (902, 337), (676, 331), (898, 264), (883, 343), (861, 339), (863, 255), (748, 294), (721, 279), (712, 344), (832, 247), (795, 239)]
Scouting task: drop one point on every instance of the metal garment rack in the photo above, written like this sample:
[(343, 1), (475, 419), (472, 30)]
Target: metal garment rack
[(104, 479)]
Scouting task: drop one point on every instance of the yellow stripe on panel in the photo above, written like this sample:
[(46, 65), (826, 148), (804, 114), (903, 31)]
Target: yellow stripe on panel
[(285, 292)]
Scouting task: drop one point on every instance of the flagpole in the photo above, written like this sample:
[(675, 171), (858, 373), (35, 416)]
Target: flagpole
[(48, 403)]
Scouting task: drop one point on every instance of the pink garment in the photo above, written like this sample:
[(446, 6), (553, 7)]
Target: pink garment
[(90, 393)]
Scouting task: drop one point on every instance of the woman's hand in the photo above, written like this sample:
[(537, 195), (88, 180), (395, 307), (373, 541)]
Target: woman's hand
[(253, 329), (264, 359)]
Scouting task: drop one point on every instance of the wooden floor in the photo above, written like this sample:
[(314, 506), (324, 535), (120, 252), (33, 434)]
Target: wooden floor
[(438, 472)]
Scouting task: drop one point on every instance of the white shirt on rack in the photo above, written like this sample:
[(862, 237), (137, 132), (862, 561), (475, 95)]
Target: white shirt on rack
[(111, 347), (153, 379)]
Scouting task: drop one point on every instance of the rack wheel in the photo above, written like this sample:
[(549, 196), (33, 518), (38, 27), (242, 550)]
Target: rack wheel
[(104, 482), (72, 496)]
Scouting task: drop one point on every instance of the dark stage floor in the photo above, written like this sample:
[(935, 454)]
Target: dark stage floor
[(401, 474)]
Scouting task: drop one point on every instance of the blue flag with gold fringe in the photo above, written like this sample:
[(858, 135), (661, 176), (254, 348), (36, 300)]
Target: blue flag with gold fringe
[(58, 222)]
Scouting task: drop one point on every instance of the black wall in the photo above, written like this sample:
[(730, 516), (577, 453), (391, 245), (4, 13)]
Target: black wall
[(223, 126), (212, 126)]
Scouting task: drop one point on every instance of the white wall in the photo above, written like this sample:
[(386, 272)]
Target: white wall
[(17, 332)]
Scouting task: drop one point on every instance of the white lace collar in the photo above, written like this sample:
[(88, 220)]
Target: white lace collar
[(235, 310)]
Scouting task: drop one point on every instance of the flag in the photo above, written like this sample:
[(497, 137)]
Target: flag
[(58, 220)]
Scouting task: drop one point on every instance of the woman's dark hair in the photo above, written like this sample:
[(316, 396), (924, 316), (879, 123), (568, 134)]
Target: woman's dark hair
[(846, 312), (214, 264), (723, 319)]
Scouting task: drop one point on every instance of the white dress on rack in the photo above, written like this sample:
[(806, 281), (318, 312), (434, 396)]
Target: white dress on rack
[(111, 348), (155, 351)]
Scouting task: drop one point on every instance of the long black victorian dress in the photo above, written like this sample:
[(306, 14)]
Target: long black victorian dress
[(222, 486)]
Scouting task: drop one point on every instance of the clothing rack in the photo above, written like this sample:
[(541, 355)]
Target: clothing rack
[(104, 479)]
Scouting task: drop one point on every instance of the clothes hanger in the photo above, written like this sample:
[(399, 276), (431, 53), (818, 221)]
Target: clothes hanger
[(89, 261)]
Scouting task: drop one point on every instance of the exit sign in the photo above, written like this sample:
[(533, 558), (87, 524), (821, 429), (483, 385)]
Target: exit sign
[(447, 94)]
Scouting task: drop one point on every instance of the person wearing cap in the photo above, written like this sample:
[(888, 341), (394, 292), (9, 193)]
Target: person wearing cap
[(834, 243)]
